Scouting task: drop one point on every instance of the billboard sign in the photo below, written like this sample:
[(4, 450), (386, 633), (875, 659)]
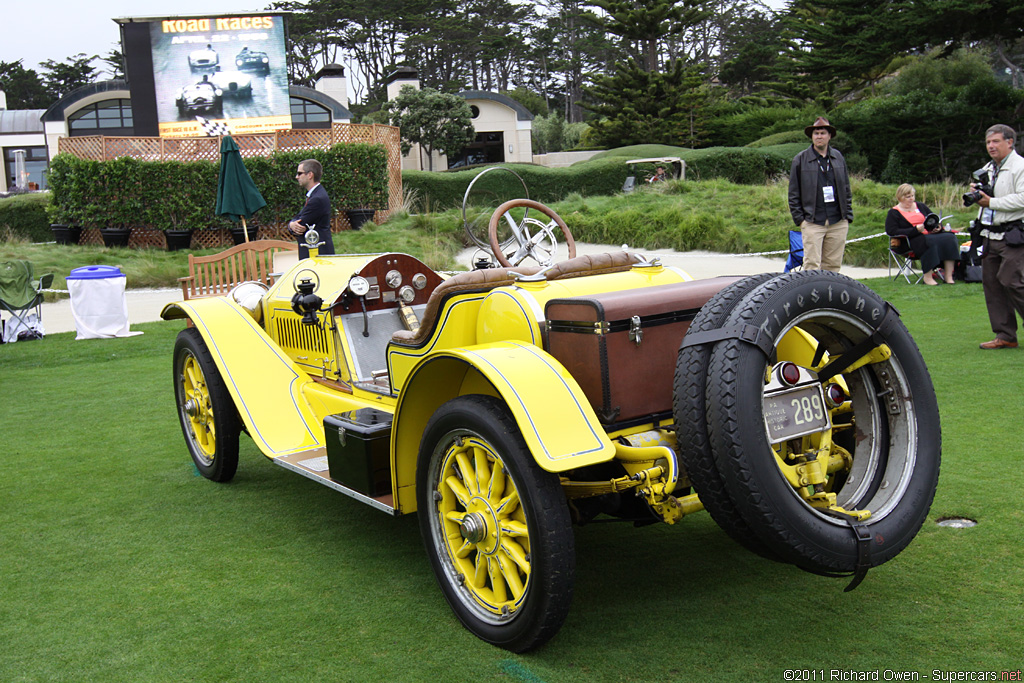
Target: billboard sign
[(224, 68)]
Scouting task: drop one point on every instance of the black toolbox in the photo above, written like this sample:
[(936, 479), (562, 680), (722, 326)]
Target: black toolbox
[(358, 450)]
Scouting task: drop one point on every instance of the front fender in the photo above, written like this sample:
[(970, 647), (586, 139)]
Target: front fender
[(264, 382), (556, 420)]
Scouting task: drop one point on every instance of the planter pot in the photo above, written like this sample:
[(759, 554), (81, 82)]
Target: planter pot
[(115, 237), (356, 217), (66, 234), (238, 234), (178, 239)]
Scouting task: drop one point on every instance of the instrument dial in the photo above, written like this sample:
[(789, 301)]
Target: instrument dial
[(393, 279)]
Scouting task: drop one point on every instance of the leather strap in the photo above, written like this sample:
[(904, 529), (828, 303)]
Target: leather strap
[(746, 333)]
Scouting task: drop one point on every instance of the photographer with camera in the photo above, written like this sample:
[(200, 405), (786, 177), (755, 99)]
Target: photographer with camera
[(1001, 218)]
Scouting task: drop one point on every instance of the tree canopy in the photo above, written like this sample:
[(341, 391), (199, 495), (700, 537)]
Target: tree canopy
[(434, 120)]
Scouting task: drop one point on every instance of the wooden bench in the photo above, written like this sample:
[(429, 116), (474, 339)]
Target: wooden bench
[(218, 274)]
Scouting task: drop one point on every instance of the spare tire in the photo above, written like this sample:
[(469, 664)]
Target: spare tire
[(689, 410), (880, 449)]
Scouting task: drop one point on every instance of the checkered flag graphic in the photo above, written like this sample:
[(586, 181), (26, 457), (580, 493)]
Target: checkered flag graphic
[(213, 129)]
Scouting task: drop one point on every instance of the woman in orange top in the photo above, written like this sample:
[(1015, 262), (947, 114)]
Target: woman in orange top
[(906, 219)]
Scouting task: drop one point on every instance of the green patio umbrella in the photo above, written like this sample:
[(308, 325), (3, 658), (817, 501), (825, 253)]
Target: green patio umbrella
[(237, 195)]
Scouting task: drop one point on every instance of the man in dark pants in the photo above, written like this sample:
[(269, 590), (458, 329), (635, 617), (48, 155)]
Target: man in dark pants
[(1002, 265), (317, 211), (820, 199)]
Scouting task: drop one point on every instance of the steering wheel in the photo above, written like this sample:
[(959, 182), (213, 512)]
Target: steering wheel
[(535, 238)]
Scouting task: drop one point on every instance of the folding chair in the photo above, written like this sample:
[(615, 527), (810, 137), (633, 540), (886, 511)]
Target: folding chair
[(19, 294), (902, 259), (796, 251)]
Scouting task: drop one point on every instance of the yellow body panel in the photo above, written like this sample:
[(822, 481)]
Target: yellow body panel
[(557, 423), (266, 385)]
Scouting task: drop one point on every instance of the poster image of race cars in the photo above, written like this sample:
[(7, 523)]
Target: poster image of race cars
[(225, 68)]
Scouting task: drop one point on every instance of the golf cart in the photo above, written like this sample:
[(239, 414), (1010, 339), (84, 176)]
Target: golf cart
[(645, 169)]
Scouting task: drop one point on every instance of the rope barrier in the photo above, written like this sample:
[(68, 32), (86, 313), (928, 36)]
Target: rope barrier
[(781, 251)]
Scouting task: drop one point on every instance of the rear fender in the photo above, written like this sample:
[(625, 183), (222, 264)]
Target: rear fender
[(267, 387), (556, 420)]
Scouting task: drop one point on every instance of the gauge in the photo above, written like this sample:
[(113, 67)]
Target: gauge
[(393, 279), (407, 294), (358, 285), (419, 280)]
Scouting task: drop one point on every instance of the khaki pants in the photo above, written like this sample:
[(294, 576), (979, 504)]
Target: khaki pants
[(1002, 278), (824, 245)]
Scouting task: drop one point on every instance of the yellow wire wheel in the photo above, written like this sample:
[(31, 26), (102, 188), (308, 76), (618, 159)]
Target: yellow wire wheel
[(206, 412), (495, 525)]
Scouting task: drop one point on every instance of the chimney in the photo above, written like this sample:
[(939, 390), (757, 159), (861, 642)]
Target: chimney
[(403, 75), (331, 81)]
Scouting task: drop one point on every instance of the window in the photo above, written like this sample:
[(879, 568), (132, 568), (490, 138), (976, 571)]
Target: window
[(36, 163), (306, 114), (109, 117)]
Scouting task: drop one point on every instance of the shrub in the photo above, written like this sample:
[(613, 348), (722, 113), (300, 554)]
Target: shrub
[(24, 215), (126, 192)]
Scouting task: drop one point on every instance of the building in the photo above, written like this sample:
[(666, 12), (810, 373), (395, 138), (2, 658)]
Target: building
[(504, 128)]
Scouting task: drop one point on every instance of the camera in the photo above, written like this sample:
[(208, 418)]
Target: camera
[(981, 180)]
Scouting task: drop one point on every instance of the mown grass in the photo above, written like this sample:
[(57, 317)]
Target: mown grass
[(119, 563)]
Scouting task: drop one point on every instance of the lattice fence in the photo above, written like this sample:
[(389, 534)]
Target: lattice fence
[(101, 148)]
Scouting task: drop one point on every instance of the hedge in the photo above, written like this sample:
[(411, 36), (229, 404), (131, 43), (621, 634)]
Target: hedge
[(597, 176), (25, 216), (175, 195)]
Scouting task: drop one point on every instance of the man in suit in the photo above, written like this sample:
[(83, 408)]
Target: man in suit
[(316, 213)]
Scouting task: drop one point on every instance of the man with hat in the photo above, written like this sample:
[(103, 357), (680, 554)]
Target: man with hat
[(820, 199)]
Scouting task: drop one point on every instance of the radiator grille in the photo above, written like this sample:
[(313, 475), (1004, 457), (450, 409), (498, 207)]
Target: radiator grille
[(292, 334)]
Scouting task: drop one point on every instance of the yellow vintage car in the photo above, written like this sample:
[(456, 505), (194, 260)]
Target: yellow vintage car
[(507, 403)]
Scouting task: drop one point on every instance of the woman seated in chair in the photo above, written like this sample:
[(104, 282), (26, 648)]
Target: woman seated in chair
[(932, 248)]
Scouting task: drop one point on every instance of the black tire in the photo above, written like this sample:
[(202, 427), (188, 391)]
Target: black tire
[(889, 425), (689, 409), (209, 420), (535, 535)]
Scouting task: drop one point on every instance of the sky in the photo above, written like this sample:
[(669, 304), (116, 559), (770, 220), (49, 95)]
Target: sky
[(58, 29)]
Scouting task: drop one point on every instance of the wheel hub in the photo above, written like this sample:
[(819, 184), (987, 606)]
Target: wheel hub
[(473, 527)]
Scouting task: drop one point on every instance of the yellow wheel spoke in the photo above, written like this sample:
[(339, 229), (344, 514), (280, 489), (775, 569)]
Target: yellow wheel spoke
[(516, 553), (482, 469), (480, 575), (497, 580), (456, 487), (464, 550), (466, 470), (510, 572), (508, 504), (455, 516), (513, 527), (496, 486)]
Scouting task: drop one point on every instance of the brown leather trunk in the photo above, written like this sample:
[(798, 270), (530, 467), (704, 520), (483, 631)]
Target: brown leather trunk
[(621, 347)]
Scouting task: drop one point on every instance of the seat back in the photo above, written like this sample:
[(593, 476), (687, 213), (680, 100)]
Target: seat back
[(217, 274), (489, 278), (17, 290)]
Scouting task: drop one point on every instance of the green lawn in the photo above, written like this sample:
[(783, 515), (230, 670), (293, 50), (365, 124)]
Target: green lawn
[(119, 563)]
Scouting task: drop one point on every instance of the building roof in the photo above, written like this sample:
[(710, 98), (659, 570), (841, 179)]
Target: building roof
[(338, 111), (56, 110), (21, 121), (522, 113)]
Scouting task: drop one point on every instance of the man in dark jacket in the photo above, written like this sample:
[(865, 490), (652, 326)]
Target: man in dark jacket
[(820, 199), (316, 213)]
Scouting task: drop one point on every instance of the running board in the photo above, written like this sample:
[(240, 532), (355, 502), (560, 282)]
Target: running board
[(313, 465)]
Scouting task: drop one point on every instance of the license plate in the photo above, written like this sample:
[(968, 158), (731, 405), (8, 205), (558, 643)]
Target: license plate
[(795, 412)]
